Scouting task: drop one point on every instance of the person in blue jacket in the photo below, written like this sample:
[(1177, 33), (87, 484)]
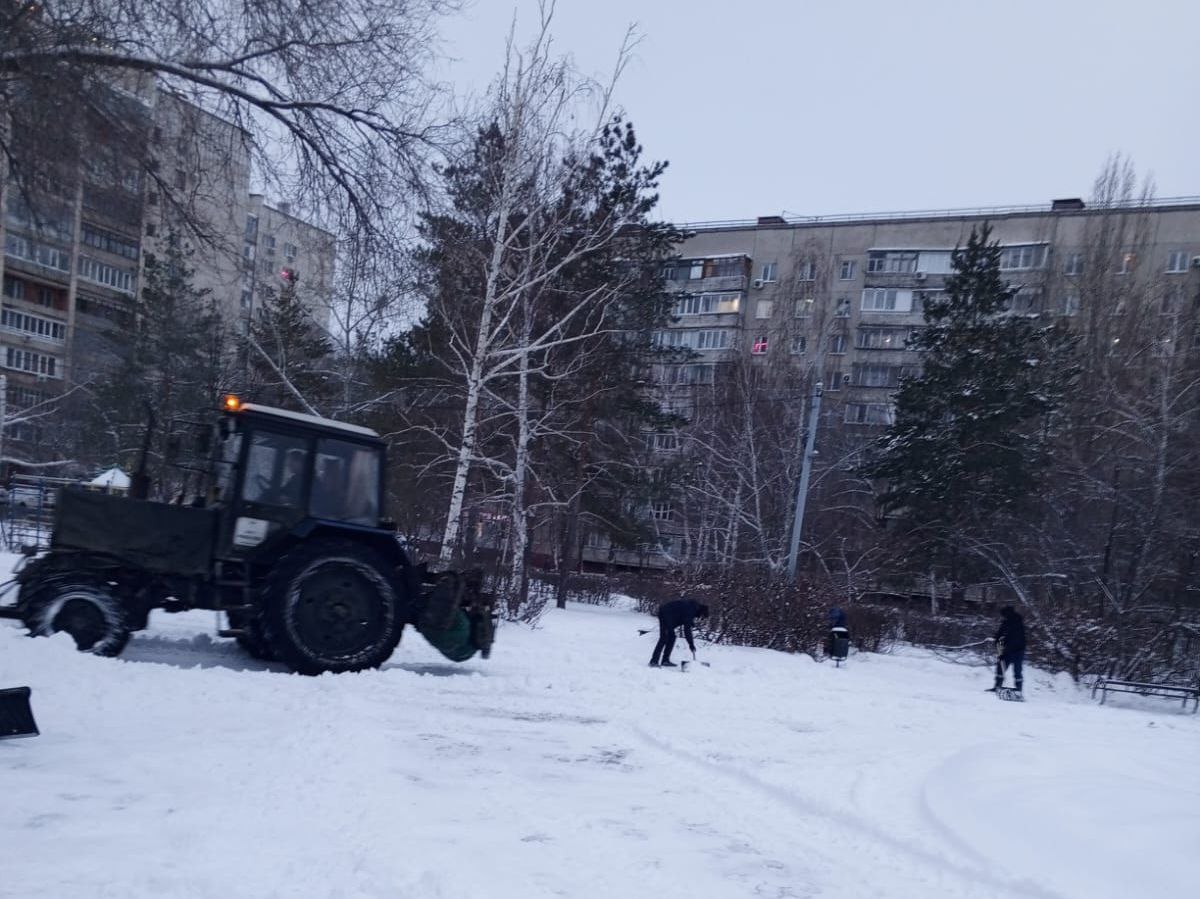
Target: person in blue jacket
[(671, 615), (1010, 647)]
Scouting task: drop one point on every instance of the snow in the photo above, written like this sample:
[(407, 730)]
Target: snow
[(114, 477), (564, 766)]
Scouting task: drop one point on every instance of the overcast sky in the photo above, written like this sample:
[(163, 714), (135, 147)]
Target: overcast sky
[(825, 106)]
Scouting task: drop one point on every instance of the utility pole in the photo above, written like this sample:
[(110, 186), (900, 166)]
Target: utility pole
[(814, 413)]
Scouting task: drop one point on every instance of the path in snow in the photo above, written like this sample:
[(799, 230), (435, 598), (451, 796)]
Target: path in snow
[(564, 767)]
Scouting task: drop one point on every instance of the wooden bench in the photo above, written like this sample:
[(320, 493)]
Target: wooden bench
[(1166, 691)]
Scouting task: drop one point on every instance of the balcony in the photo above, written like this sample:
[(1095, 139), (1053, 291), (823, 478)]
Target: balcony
[(726, 282)]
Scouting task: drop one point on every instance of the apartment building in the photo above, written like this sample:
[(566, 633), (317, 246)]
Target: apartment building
[(837, 299), (76, 239), (280, 249)]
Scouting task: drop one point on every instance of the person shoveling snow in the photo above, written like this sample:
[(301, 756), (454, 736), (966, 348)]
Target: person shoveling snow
[(677, 613)]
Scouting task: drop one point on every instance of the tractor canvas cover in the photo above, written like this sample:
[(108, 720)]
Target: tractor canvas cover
[(154, 536)]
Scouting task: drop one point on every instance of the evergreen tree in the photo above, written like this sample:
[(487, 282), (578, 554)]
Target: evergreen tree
[(171, 365), (970, 440), (288, 352)]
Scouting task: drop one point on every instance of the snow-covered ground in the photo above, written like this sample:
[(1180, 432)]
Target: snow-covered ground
[(565, 767)]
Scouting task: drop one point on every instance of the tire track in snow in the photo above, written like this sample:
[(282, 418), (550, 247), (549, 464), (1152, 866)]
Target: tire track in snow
[(807, 809)]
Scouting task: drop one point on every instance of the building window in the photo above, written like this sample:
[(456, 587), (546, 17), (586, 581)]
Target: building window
[(1026, 301), (14, 288), (289, 251), (666, 443), (891, 262), (870, 413), (843, 307), (1070, 303), (108, 275), (42, 254), (881, 299), (252, 227), (721, 267), (883, 338), (806, 271), (711, 339), (1172, 301), (662, 512), (109, 242), (1024, 258), (759, 347), (764, 308), (31, 362), (180, 179), (707, 303), (768, 272), (804, 307), (1128, 263), (799, 345), (876, 375), (1177, 261), (833, 379), (1074, 264), (847, 273), (33, 325), (690, 374), (837, 344)]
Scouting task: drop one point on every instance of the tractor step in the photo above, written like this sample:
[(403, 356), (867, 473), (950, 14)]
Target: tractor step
[(233, 632)]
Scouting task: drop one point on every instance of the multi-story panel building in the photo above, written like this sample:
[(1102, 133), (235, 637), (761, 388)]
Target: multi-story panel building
[(838, 299), (76, 239), (278, 248)]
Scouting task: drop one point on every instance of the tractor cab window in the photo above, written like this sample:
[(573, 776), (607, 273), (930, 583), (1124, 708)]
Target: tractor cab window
[(275, 466), (346, 482)]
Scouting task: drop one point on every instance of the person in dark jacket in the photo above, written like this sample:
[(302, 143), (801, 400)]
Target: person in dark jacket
[(1010, 647), (678, 612)]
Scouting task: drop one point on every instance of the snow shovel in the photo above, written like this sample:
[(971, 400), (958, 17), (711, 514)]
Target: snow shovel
[(16, 717), (683, 666)]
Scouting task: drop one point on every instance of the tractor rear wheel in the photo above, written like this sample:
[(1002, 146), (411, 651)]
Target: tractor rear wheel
[(90, 611), (331, 605)]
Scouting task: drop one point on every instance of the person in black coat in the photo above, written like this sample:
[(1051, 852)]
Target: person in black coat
[(1010, 647), (679, 612)]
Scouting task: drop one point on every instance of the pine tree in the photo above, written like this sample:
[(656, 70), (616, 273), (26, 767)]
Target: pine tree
[(288, 352), (171, 365), (970, 436)]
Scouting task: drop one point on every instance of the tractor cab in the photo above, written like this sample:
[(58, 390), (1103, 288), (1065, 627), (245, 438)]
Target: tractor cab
[(277, 471)]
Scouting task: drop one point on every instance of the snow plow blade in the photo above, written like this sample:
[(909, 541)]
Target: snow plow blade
[(16, 717)]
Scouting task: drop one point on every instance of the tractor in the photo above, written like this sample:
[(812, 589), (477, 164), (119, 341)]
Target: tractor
[(284, 534)]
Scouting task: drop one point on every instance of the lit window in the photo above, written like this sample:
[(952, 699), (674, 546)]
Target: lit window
[(1128, 263), (759, 347)]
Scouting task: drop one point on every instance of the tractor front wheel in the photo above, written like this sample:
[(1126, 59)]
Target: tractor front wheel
[(330, 605), (90, 611)]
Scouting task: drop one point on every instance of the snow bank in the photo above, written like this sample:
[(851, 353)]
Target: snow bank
[(565, 767)]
